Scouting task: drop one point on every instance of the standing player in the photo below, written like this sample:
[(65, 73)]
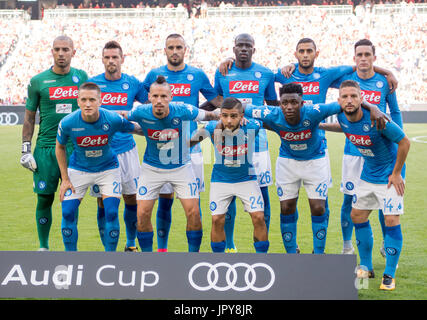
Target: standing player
[(375, 90), (381, 184), (302, 160), (54, 93), (233, 174), (250, 83), (166, 127), (118, 92), (93, 161), (186, 83)]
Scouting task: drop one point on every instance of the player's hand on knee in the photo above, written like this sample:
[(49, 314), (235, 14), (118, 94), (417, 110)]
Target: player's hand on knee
[(27, 159), (65, 186)]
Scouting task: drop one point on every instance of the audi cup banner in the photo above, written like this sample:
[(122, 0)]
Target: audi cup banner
[(13, 115), (195, 276)]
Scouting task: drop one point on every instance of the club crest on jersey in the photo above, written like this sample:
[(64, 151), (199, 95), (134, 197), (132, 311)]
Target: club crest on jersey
[(258, 74), (125, 86), (190, 77), (306, 123), (75, 79), (243, 86), (163, 135), (366, 127), (296, 136), (176, 121), (380, 84), (316, 75), (92, 141), (105, 127)]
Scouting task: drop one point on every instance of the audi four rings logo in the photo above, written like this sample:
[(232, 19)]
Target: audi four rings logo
[(8, 118), (231, 276)]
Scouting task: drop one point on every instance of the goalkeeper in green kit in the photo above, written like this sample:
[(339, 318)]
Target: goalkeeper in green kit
[(54, 94)]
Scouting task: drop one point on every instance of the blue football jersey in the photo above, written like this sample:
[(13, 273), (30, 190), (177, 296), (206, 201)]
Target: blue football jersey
[(167, 138), (253, 85), (91, 141), (185, 85), (376, 91), (300, 141), (120, 95), (316, 84), (378, 148), (233, 154)]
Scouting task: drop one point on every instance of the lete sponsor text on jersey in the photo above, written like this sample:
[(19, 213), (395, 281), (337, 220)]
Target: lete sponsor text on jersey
[(92, 141), (370, 96), (296, 136), (163, 135), (230, 151), (247, 86), (58, 93), (114, 99), (309, 88), (180, 89), (359, 140)]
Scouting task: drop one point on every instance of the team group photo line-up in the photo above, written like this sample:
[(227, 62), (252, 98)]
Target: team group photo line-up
[(86, 141)]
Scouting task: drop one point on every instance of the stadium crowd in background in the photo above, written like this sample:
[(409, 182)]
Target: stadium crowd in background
[(400, 41)]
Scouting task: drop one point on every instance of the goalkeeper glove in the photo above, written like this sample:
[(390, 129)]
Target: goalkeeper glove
[(27, 159)]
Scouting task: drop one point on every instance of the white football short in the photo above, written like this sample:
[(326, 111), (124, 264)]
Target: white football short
[(291, 174), (351, 171), (262, 165), (221, 194), (369, 196), (199, 172), (130, 170), (181, 179), (329, 168), (106, 183)]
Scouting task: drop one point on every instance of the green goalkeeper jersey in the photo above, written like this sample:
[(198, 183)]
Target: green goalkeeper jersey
[(55, 96)]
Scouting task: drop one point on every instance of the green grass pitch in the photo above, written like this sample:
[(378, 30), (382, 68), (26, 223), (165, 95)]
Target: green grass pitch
[(18, 230)]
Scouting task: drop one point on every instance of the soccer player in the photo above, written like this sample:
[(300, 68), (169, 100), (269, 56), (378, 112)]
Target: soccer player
[(186, 83), (233, 174), (54, 93), (381, 184), (118, 92), (166, 126), (302, 160), (376, 90), (93, 161), (250, 83)]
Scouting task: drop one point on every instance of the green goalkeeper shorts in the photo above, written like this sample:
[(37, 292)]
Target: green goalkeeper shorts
[(47, 175)]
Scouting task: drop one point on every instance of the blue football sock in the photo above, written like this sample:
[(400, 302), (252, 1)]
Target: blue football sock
[(288, 228), (163, 222), (230, 217), (261, 246), (218, 246), (145, 240), (346, 223), (129, 216), (319, 226), (393, 246), (100, 218), (365, 243), (382, 222), (112, 225), (267, 211), (194, 239), (69, 224)]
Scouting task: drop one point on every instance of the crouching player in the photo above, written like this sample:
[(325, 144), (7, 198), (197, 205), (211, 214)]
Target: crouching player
[(92, 162), (233, 174), (381, 185)]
